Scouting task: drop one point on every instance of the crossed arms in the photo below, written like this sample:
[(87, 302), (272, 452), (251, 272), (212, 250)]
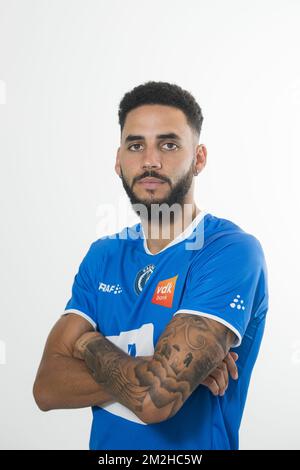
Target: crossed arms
[(82, 368)]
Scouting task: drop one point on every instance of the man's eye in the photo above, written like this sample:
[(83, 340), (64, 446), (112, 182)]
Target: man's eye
[(133, 145), (168, 143)]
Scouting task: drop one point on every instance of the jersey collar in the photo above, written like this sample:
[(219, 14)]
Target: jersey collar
[(182, 236)]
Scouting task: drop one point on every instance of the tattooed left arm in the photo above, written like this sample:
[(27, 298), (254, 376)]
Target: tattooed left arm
[(155, 388)]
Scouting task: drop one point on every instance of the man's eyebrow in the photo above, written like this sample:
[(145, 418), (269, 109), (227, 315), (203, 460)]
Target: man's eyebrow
[(170, 135)]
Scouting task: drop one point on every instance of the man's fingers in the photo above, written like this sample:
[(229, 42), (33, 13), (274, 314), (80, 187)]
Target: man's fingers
[(226, 376), (211, 384), (220, 374), (234, 355), (217, 381), (231, 365)]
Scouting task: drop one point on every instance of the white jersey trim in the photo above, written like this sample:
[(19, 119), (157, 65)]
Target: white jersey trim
[(81, 314)]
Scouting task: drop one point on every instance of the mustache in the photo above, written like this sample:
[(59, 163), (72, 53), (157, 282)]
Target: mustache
[(150, 174)]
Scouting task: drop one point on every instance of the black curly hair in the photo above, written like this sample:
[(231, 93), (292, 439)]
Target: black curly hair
[(163, 93)]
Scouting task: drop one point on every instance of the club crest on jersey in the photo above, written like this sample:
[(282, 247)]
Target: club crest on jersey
[(142, 277), (164, 292)]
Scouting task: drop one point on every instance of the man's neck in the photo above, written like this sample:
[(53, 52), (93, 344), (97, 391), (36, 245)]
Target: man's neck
[(159, 234)]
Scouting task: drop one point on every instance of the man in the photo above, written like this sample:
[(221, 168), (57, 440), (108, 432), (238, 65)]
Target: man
[(157, 319)]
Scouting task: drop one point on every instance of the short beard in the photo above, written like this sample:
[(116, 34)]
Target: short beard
[(176, 196)]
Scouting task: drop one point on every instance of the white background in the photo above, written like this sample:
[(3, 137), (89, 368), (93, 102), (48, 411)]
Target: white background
[(64, 67)]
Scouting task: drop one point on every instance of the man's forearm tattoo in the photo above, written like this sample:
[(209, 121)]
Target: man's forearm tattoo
[(188, 350), (114, 369)]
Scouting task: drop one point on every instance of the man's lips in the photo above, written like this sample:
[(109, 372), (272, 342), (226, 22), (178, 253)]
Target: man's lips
[(150, 183)]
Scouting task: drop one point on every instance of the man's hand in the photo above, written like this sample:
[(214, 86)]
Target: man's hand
[(216, 382)]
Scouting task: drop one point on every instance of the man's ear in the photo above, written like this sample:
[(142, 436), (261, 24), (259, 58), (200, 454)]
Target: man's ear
[(117, 164), (201, 155)]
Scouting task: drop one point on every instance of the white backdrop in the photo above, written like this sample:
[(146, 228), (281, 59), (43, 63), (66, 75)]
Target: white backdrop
[(64, 67)]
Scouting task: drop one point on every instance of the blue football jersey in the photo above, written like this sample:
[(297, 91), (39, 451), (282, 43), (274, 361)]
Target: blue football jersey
[(213, 269)]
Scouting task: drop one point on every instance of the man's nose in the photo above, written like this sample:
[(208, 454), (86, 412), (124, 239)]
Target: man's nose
[(151, 159)]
